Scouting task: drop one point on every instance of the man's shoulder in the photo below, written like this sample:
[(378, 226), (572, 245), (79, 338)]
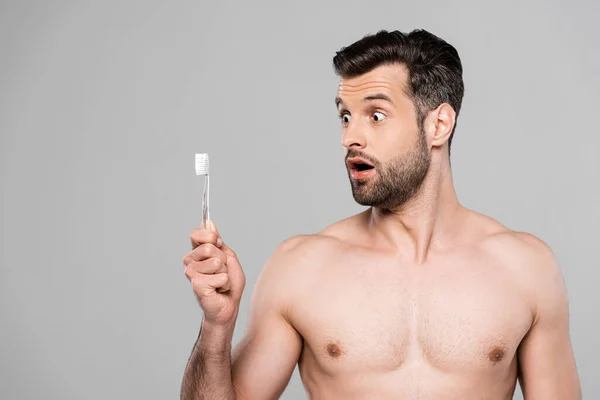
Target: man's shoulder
[(298, 260), (300, 244), (529, 258), (319, 246), (518, 247), (494, 237), (530, 263)]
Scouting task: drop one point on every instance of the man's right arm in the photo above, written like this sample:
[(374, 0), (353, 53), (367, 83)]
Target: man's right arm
[(262, 363), (208, 372), (264, 360)]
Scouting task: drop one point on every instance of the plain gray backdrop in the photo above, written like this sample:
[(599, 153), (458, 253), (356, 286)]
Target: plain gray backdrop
[(103, 105)]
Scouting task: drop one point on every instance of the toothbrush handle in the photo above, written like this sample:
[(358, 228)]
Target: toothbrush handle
[(205, 208)]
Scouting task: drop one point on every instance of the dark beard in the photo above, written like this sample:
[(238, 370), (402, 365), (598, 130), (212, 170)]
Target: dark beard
[(395, 182)]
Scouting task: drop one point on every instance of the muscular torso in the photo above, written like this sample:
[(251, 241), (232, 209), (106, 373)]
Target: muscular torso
[(377, 325)]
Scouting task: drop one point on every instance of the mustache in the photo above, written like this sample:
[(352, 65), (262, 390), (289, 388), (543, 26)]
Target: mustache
[(355, 153)]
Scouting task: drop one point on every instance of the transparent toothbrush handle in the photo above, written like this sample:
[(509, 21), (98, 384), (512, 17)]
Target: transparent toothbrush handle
[(205, 208)]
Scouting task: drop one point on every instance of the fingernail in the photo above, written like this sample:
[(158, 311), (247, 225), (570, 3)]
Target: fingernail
[(219, 242)]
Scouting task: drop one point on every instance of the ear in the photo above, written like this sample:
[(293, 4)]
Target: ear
[(442, 121)]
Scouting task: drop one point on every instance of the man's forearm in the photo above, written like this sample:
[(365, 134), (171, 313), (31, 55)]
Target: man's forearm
[(208, 372)]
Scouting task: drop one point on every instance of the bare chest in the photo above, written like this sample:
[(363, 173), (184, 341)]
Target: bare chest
[(375, 317)]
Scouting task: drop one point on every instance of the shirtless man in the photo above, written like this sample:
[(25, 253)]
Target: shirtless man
[(415, 298)]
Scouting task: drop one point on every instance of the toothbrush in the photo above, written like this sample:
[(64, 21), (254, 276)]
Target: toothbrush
[(202, 169)]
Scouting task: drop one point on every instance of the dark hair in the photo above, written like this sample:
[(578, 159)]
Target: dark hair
[(434, 67)]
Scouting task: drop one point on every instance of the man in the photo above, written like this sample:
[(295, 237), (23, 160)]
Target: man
[(415, 298)]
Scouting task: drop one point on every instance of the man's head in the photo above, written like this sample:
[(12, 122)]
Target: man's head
[(398, 99)]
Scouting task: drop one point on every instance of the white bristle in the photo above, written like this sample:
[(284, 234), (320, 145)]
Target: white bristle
[(202, 164)]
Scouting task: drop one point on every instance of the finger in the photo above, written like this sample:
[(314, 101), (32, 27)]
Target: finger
[(205, 285), (225, 288), (207, 250), (208, 267), (201, 236)]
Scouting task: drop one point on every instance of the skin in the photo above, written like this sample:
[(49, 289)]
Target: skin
[(422, 300)]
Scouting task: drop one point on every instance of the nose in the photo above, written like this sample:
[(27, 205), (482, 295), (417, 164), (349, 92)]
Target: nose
[(353, 136)]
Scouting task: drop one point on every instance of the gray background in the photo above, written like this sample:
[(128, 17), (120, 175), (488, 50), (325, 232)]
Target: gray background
[(103, 105)]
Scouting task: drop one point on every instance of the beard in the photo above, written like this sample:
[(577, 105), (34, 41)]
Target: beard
[(396, 181)]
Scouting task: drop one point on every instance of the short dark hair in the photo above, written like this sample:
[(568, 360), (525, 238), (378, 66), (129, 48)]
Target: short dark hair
[(433, 65)]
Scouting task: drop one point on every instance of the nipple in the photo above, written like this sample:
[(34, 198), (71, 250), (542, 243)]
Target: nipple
[(496, 355), (334, 350)]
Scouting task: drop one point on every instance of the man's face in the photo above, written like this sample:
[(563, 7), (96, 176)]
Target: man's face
[(380, 128)]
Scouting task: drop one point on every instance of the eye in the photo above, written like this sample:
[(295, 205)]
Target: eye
[(345, 117), (378, 116)]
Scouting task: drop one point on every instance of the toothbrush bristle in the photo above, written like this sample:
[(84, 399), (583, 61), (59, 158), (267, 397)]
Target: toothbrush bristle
[(202, 164)]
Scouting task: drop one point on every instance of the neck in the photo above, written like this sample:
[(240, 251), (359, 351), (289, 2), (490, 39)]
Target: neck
[(427, 219)]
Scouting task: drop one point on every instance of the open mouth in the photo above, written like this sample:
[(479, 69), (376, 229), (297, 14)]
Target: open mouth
[(360, 168)]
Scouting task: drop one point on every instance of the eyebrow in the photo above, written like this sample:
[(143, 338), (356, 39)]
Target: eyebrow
[(376, 96)]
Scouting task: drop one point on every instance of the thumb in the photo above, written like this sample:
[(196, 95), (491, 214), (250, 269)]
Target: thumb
[(213, 227), (228, 250)]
